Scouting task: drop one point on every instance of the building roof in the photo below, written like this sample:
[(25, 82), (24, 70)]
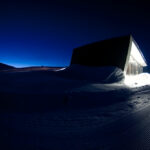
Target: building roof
[(110, 52)]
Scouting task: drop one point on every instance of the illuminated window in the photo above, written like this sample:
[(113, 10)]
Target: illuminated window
[(136, 55), (136, 61)]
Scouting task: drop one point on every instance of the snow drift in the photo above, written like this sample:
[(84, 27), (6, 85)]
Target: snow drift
[(95, 74)]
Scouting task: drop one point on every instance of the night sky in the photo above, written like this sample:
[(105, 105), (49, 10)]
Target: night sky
[(44, 33)]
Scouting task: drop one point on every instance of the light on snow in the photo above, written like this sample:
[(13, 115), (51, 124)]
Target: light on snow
[(137, 80)]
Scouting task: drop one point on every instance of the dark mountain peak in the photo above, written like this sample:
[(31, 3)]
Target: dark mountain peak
[(5, 66)]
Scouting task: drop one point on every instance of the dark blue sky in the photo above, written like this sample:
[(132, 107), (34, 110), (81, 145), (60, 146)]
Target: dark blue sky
[(45, 32)]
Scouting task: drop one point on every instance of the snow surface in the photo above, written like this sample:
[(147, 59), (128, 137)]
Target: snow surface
[(66, 109), (137, 80), (94, 74)]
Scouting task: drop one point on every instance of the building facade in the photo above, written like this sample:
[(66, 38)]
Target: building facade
[(122, 52)]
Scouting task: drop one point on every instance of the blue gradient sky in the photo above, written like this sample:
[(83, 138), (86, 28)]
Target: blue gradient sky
[(45, 33)]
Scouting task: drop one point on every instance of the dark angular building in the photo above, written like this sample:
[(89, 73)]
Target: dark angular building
[(122, 52)]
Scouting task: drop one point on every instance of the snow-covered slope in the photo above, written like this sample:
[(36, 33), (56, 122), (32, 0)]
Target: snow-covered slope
[(76, 86), (66, 109)]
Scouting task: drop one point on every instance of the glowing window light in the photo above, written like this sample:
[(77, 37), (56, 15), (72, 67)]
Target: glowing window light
[(141, 79), (131, 59), (137, 55)]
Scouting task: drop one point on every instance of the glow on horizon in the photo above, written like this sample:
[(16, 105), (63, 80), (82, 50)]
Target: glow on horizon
[(30, 64)]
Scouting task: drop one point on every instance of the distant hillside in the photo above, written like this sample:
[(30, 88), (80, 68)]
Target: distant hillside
[(5, 67)]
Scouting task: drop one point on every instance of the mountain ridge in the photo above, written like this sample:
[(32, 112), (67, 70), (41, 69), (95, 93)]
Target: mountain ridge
[(5, 66)]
